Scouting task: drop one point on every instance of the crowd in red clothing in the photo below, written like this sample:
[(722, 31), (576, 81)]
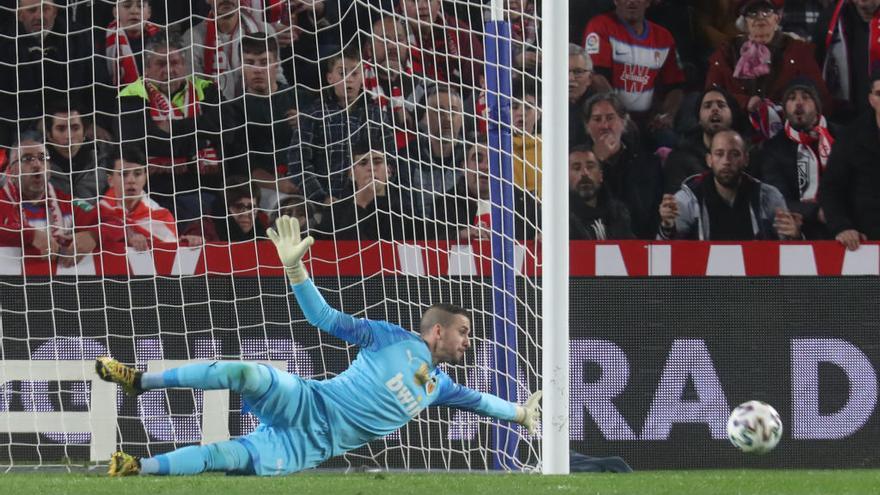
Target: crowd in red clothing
[(140, 123)]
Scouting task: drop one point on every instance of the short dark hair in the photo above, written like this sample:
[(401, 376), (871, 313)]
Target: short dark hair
[(440, 313), (580, 148), (239, 187), (127, 153), (258, 42), (350, 52)]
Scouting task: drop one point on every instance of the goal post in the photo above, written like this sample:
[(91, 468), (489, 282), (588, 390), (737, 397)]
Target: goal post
[(555, 368)]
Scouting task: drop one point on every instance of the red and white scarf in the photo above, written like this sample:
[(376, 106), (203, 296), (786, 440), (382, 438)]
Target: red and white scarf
[(162, 107), (836, 69), (811, 163), (231, 52), (767, 120), (59, 227), (440, 47), (377, 92), (146, 218), (120, 59)]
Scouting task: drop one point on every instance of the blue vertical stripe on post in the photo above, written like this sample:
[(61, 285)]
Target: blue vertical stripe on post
[(498, 92)]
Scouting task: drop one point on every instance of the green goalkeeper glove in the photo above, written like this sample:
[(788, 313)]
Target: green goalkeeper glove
[(528, 415), (291, 248)]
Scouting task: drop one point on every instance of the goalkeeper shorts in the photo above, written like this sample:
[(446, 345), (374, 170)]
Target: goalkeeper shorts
[(293, 433)]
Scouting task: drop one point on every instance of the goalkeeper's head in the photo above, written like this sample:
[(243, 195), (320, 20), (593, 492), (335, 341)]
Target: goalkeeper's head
[(446, 329)]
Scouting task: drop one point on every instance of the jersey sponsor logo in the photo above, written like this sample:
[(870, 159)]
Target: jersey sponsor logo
[(406, 399), (591, 45)]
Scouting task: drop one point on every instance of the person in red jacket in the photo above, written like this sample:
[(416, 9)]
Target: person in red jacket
[(143, 223), (757, 67), (40, 219)]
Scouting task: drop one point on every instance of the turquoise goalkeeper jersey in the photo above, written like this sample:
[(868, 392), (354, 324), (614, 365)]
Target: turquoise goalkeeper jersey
[(380, 391)]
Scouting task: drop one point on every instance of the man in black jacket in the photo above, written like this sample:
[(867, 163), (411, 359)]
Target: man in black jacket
[(845, 54), (794, 160), (850, 191), (631, 174), (717, 111), (44, 57), (463, 214), (594, 214)]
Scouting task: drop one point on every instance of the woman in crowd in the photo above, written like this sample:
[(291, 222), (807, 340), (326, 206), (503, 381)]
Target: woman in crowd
[(756, 66)]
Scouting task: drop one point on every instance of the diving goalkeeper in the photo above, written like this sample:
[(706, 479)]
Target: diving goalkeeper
[(305, 422)]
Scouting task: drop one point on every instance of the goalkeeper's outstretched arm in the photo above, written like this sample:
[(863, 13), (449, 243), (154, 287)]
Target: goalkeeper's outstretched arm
[(291, 250), (454, 395)]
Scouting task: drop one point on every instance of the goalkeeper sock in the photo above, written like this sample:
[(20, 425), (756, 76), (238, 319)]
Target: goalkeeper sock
[(248, 379), (229, 456)]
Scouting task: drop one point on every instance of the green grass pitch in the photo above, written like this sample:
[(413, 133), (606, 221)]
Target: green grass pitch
[(716, 482)]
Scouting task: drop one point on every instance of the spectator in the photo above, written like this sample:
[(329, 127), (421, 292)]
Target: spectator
[(329, 129), (446, 48), (595, 214), (794, 160), (126, 36), (432, 158), (848, 49), (524, 26), (637, 58), (580, 89), (848, 193), (49, 56), (802, 17), (378, 209), (717, 111), (241, 220), (264, 117), (757, 66), (178, 117), (526, 140), (463, 214), (40, 219), (216, 45), (296, 206), (390, 78), (146, 224), (726, 204), (73, 161), (630, 174)]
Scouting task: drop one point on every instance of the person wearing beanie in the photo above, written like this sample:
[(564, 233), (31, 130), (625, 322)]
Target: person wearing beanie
[(794, 160), (758, 65)]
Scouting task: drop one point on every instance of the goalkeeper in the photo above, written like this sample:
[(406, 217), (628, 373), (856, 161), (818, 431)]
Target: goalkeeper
[(305, 422)]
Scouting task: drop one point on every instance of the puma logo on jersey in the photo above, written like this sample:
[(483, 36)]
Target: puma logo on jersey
[(409, 402)]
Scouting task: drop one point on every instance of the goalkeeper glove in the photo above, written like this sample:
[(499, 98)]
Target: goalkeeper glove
[(291, 248), (528, 415)]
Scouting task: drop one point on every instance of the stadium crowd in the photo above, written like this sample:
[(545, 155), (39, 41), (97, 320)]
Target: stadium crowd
[(142, 123)]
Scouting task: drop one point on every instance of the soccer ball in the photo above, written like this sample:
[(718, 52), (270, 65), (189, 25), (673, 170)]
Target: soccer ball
[(754, 427)]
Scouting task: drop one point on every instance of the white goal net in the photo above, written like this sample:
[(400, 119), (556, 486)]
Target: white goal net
[(147, 145)]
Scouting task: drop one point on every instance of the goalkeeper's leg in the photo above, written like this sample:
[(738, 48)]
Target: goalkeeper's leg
[(251, 380), (229, 456)]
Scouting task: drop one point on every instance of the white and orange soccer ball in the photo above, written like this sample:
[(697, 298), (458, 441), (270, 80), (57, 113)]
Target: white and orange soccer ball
[(754, 427)]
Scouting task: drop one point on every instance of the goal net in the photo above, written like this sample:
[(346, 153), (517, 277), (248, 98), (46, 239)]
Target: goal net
[(149, 144)]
